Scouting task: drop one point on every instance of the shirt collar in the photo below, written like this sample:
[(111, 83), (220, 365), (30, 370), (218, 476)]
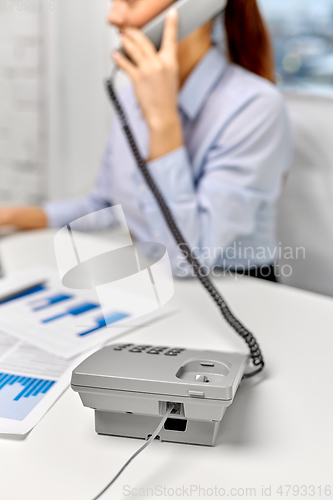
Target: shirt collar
[(201, 81)]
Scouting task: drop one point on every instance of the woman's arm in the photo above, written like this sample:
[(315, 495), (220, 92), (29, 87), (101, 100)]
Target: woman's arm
[(60, 213), (23, 218), (242, 172), (155, 77)]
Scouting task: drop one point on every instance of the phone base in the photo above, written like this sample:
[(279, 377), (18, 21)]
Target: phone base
[(176, 430)]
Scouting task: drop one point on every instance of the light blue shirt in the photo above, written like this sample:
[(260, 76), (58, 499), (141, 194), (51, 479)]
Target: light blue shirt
[(222, 186)]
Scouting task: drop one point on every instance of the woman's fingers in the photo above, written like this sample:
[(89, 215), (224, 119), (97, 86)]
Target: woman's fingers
[(170, 36), (145, 60), (142, 51), (133, 49), (125, 64), (143, 43)]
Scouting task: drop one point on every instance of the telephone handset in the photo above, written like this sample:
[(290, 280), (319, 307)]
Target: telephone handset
[(191, 15)]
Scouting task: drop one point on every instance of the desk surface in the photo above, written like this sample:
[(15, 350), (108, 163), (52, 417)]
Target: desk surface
[(278, 431)]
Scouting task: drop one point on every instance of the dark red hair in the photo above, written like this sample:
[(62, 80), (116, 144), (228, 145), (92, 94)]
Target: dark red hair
[(249, 42)]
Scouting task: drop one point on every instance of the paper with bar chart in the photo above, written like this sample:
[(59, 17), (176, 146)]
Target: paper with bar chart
[(69, 322), (31, 380), (41, 329), (21, 394)]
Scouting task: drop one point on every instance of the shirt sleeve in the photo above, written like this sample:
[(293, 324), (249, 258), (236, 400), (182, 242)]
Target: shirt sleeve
[(61, 213), (242, 170)]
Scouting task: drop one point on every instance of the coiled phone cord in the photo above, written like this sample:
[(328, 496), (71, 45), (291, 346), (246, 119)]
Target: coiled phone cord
[(255, 352)]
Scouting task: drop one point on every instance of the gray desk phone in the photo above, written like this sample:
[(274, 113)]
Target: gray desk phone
[(130, 387)]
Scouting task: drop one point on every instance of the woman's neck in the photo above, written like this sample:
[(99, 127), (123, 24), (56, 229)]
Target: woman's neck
[(192, 49)]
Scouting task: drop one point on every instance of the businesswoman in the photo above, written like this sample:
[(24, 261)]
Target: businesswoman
[(214, 131)]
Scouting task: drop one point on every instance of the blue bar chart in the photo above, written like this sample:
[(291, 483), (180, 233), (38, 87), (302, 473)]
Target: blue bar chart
[(19, 395), (26, 293), (74, 311), (45, 302), (102, 322), (60, 322)]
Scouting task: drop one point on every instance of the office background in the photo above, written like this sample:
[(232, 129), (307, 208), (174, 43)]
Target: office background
[(54, 113)]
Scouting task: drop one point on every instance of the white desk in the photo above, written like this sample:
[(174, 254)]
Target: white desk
[(277, 432)]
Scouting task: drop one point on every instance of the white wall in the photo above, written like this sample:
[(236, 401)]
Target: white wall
[(22, 144), (79, 115), (54, 111)]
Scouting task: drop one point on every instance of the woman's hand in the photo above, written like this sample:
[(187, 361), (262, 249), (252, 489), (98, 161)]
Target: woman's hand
[(155, 77), (23, 217)]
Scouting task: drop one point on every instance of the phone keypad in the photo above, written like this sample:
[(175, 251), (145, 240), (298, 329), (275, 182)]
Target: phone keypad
[(155, 350)]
